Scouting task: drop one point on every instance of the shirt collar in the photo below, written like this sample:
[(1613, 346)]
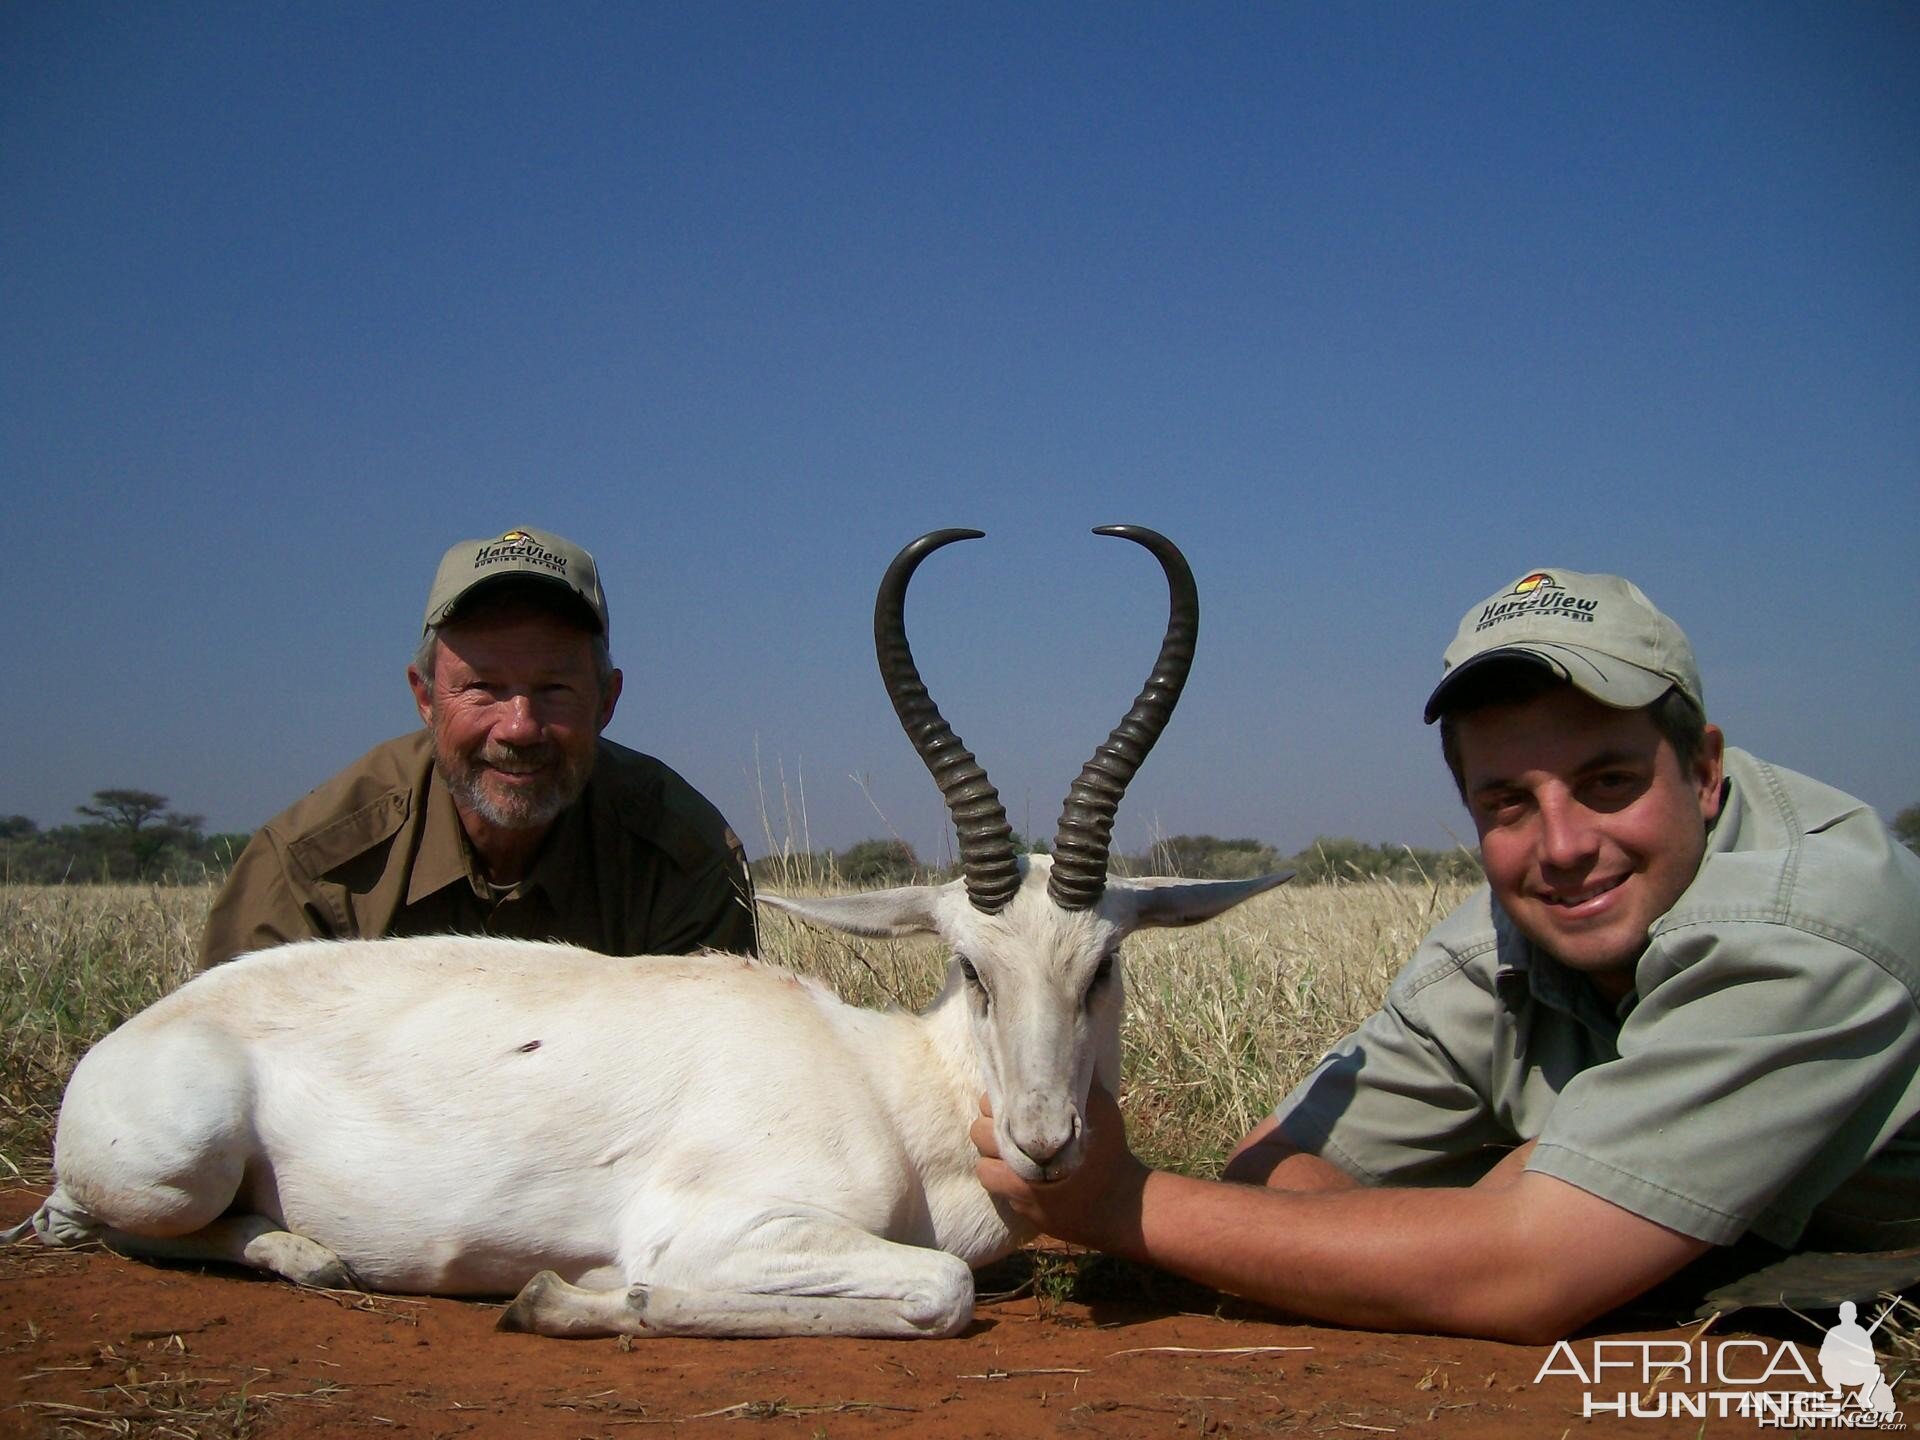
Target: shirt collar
[(1525, 972), (446, 857)]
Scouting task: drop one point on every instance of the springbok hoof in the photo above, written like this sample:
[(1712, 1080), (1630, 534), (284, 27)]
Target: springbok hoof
[(303, 1261), (332, 1275), (523, 1315)]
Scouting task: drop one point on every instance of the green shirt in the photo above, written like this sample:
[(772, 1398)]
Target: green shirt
[(1763, 1076), (640, 864)]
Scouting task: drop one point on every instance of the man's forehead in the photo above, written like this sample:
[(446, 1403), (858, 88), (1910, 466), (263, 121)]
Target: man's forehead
[(1560, 730)]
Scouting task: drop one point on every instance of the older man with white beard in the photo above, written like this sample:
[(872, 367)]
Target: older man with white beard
[(509, 813)]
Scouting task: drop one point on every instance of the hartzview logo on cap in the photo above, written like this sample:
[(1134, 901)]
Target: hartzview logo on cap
[(521, 547), (518, 552), (1538, 594)]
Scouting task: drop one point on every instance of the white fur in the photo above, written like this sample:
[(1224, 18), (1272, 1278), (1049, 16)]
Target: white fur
[(692, 1145)]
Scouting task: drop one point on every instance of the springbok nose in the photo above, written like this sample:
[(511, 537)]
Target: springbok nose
[(1041, 1140)]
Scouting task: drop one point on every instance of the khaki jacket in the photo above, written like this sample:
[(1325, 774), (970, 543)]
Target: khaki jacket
[(640, 864)]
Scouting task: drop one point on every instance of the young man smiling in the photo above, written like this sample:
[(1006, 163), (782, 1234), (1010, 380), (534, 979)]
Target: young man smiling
[(1681, 1014), (508, 814)]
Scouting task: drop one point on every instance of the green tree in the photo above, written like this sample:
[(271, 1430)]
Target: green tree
[(1906, 825), (24, 854), (1343, 858), (126, 810), (878, 862), (1208, 857), (137, 825), (223, 847)]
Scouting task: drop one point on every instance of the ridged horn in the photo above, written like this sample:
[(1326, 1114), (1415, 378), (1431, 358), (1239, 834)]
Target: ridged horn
[(986, 840), (1086, 822)]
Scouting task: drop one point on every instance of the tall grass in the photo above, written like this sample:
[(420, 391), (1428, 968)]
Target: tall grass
[(76, 960), (1221, 1018)]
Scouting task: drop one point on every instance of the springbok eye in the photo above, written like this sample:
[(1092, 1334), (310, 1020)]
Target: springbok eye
[(976, 984)]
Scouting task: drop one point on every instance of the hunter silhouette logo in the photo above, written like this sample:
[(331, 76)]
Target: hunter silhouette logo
[(1848, 1365)]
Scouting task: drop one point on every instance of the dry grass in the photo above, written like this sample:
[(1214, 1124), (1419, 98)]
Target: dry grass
[(1224, 1019), (1221, 1018), (74, 962)]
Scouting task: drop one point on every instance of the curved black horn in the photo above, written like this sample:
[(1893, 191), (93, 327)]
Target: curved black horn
[(1086, 823), (986, 840)]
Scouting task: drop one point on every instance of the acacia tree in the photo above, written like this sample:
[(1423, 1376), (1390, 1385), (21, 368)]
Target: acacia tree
[(125, 810), (139, 822)]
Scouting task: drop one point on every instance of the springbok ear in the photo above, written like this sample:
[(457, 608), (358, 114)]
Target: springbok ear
[(1166, 903), (877, 914)]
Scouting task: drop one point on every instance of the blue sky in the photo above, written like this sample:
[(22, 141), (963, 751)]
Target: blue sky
[(1370, 307)]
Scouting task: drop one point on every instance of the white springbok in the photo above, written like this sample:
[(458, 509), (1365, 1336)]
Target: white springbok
[(701, 1145)]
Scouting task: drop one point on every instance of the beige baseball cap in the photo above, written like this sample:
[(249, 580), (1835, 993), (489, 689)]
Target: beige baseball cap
[(1597, 632), (517, 554)]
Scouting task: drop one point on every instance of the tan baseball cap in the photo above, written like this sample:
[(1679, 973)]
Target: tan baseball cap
[(1597, 632), (517, 554)]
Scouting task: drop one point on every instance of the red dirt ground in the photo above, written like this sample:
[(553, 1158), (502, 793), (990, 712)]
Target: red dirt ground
[(94, 1344)]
